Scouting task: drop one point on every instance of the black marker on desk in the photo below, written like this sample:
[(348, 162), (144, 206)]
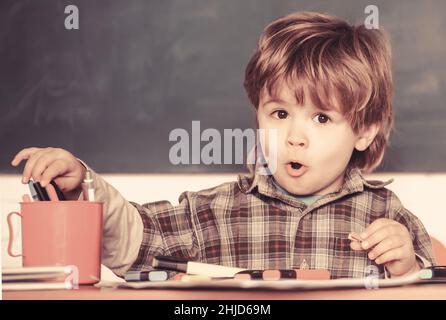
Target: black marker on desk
[(192, 267), (249, 275), (152, 275), (434, 274)]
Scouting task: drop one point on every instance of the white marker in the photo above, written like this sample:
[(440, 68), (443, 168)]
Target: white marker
[(88, 187)]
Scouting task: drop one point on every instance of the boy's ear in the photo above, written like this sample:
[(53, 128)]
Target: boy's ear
[(366, 136)]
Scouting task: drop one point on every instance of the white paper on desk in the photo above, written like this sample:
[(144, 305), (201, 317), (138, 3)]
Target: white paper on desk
[(269, 285), (28, 286), (33, 270), (34, 273)]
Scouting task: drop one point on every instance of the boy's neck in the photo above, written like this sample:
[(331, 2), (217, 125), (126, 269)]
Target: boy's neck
[(278, 186), (311, 195)]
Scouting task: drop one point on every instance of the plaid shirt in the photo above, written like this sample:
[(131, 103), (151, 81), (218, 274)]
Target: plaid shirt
[(251, 223)]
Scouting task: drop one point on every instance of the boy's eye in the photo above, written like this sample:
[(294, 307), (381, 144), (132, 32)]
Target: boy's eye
[(322, 118), (281, 114)]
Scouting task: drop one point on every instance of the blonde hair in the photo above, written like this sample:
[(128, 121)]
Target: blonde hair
[(338, 65)]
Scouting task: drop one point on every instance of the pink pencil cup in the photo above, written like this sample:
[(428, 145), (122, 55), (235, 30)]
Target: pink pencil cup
[(61, 233)]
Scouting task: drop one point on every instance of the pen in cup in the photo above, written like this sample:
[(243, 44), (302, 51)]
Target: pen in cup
[(33, 191), (59, 193), (41, 192), (52, 192), (88, 186), (26, 198)]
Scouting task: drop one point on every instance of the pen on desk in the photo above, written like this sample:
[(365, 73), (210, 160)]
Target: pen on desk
[(280, 274), (191, 267), (200, 278), (32, 190), (434, 274), (249, 275), (313, 274), (88, 186), (152, 275)]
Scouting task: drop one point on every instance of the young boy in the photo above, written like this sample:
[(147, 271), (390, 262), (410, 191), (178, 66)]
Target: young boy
[(326, 88)]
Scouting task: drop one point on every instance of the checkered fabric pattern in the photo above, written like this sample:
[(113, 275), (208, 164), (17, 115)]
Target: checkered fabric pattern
[(250, 223)]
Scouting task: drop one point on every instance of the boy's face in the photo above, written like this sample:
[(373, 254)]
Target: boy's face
[(321, 141)]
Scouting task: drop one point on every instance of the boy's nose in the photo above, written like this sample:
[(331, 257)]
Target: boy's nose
[(297, 141)]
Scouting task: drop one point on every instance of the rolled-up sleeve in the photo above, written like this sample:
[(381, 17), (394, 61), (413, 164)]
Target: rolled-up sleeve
[(167, 230), (122, 226), (133, 234)]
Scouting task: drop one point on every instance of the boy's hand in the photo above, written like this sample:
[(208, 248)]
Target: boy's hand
[(46, 164), (390, 244)]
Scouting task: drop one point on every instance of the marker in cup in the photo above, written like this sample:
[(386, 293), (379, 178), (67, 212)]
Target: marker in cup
[(88, 186)]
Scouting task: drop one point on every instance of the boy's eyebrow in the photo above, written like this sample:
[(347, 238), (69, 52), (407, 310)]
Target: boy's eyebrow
[(283, 102)]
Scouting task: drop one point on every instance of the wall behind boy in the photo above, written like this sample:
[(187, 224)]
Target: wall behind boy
[(112, 91)]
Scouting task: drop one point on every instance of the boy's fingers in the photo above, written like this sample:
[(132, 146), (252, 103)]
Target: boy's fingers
[(383, 233), (356, 246), (55, 169), (377, 237), (391, 255), (61, 183), (23, 154), (375, 226), (41, 164), (29, 166), (387, 244)]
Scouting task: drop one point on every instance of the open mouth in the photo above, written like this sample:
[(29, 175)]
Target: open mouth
[(295, 165), (295, 169)]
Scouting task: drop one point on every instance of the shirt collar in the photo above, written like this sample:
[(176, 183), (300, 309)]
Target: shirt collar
[(354, 182)]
